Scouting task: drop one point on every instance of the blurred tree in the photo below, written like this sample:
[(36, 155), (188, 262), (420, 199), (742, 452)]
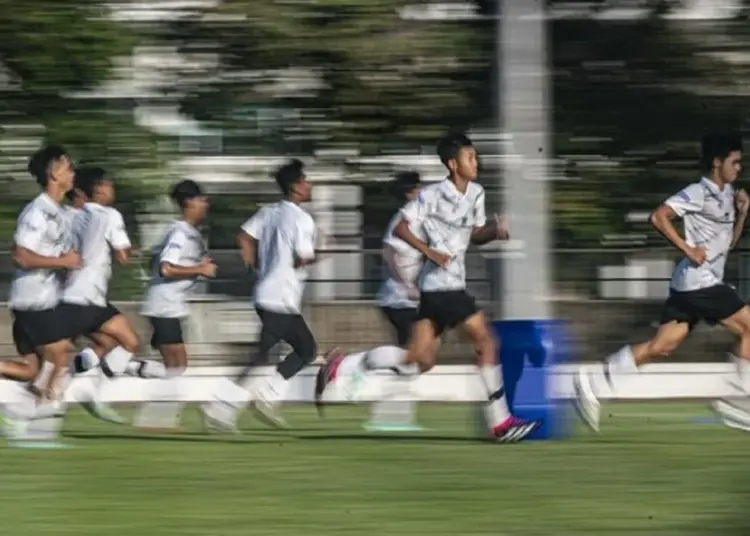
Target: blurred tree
[(335, 72), (632, 99), (631, 96), (50, 50)]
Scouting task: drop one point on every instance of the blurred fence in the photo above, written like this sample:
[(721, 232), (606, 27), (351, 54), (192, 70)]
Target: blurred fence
[(344, 314)]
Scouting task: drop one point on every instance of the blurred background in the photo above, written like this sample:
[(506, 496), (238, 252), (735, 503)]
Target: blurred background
[(601, 103), (223, 91)]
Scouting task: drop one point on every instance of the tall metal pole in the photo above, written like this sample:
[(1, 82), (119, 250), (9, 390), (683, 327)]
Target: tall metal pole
[(525, 110)]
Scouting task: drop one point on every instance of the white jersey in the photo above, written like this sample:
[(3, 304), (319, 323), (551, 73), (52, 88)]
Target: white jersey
[(284, 233), (167, 298), (42, 229), (394, 293), (69, 213), (97, 231), (447, 218), (708, 214)]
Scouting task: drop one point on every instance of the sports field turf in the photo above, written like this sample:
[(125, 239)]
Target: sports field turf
[(651, 471)]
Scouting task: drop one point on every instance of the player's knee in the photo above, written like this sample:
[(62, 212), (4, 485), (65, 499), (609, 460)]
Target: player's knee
[(131, 342)]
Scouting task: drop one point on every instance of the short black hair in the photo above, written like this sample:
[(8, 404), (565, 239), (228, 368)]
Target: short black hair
[(403, 183), (40, 161), (289, 174), (718, 145), (449, 147), (185, 190), (88, 178)]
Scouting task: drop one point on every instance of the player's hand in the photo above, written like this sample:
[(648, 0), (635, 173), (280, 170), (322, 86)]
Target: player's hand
[(208, 268), (696, 255), (742, 201), (71, 260), (501, 227), (441, 259)]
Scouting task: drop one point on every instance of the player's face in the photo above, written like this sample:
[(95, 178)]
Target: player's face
[(105, 193), (62, 172), (731, 167), (303, 189), (411, 196), (198, 206), (465, 165)]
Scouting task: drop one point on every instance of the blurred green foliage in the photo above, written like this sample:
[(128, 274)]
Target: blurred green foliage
[(49, 52), (630, 98)]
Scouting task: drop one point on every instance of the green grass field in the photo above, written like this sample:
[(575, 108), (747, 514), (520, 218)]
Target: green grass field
[(651, 471)]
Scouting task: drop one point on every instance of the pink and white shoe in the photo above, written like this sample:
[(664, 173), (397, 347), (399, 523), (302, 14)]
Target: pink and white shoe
[(326, 374), (513, 430)]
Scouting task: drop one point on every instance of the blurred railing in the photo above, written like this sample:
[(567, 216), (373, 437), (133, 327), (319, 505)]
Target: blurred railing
[(344, 313), (356, 274)]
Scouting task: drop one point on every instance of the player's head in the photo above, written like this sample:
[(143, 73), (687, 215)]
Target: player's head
[(458, 154), (93, 182), (292, 181), (405, 186), (721, 156), (192, 201), (52, 169)]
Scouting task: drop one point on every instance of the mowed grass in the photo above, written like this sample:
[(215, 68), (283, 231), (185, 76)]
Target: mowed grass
[(651, 471)]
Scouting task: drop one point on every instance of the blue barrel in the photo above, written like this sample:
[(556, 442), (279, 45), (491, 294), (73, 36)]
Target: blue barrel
[(529, 349)]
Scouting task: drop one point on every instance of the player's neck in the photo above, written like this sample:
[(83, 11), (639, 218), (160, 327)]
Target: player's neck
[(720, 184), (192, 220), (294, 200), (55, 193), (460, 184)]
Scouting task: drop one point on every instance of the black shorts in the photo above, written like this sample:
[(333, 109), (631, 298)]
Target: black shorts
[(87, 319), (712, 305), (24, 346), (34, 329), (288, 327), (402, 321), (165, 331), (446, 309)]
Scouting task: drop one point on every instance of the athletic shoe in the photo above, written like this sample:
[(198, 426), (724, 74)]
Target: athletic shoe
[(267, 412), (585, 400), (326, 374), (514, 430)]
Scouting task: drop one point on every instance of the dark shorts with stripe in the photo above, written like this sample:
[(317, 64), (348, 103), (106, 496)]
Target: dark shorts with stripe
[(711, 305)]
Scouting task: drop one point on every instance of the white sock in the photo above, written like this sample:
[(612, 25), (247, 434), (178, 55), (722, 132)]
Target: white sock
[(22, 408), (45, 409), (351, 364), (165, 406), (387, 357), (619, 364), (743, 371), (274, 389), (145, 368), (113, 364), (43, 377), (85, 360), (117, 360), (230, 399), (496, 410)]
